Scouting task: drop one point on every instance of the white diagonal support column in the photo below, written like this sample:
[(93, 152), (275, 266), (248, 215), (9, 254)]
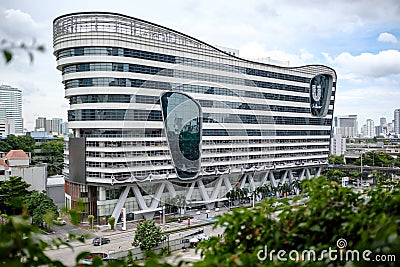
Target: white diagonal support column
[(264, 178), (120, 203), (283, 178), (203, 191), (243, 181), (308, 174), (318, 173), (303, 171), (227, 183), (157, 196), (250, 179)]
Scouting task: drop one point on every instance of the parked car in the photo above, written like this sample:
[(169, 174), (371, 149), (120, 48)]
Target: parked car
[(97, 241), (59, 221), (202, 237), (366, 185)]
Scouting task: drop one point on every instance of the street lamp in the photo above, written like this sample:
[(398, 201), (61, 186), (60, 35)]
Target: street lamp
[(163, 214)]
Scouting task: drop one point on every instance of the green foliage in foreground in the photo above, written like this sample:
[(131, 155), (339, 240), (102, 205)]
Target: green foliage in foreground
[(21, 246), (367, 221), (7, 48)]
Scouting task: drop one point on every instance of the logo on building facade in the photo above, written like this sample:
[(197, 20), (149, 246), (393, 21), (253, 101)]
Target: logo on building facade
[(320, 94)]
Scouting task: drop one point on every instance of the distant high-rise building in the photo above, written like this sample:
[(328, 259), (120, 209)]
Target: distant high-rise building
[(346, 125), (11, 108), (397, 121), (364, 130), (56, 125), (40, 124), (382, 121), (370, 128), (64, 128), (53, 125), (338, 144), (378, 130)]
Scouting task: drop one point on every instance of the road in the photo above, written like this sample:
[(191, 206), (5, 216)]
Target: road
[(120, 240)]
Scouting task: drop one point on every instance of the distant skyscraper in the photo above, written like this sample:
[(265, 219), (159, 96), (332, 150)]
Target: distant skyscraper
[(56, 125), (364, 130), (338, 145), (382, 121), (40, 124), (370, 128), (346, 125), (53, 125), (397, 121), (64, 128), (11, 107)]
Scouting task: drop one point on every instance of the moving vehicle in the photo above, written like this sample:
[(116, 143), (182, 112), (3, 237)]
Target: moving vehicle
[(59, 221), (97, 241)]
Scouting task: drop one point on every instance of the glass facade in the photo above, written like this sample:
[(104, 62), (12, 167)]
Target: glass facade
[(182, 119)]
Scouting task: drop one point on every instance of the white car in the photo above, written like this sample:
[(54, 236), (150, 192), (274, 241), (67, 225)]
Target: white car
[(60, 221)]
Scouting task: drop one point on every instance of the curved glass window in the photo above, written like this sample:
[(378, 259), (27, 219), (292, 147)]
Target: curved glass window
[(114, 115), (145, 99), (182, 122), (123, 82), (320, 94), (125, 52)]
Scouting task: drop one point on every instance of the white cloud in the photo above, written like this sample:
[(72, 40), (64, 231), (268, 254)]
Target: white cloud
[(18, 26), (387, 37), (371, 102), (256, 51), (384, 63)]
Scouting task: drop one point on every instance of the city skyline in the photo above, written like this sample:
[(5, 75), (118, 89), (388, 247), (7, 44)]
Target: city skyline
[(359, 42)]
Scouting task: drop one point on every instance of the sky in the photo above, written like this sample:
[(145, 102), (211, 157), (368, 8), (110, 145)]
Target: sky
[(360, 39)]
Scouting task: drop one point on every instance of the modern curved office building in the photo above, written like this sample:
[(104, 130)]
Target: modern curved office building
[(162, 118)]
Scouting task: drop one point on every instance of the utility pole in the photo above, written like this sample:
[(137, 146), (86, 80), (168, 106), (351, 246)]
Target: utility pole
[(163, 213), (361, 168)]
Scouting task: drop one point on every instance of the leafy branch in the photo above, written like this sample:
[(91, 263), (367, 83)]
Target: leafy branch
[(7, 49)]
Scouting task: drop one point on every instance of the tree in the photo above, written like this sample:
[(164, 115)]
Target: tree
[(111, 222), (91, 220), (373, 158), (41, 208), (334, 175), (4, 146), (12, 195), (148, 235), (180, 202), (75, 213), (23, 142), (333, 159), (355, 174), (54, 156), (396, 162)]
